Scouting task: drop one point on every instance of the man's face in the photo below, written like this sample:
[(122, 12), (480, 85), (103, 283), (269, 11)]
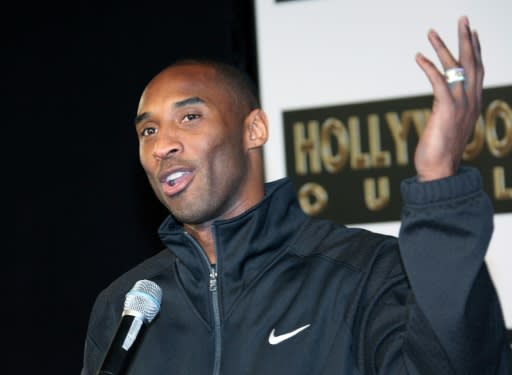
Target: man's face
[(191, 144)]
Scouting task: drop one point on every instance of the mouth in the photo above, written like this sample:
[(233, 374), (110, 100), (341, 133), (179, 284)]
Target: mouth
[(175, 181)]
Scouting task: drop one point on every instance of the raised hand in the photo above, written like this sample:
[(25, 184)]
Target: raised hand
[(456, 105)]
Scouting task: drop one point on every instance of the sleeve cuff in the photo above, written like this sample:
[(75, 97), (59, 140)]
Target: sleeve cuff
[(466, 181)]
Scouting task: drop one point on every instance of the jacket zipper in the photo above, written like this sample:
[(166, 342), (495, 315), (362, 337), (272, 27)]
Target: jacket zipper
[(215, 306), (216, 318)]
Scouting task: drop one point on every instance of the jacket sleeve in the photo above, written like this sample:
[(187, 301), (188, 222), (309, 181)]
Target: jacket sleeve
[(446, 228)]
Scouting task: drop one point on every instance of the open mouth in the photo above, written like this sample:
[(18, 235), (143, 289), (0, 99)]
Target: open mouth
[(173, 178), (176, 181)]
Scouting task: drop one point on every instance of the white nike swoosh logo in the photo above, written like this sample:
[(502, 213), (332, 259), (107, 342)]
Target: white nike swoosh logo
[(273, 340)]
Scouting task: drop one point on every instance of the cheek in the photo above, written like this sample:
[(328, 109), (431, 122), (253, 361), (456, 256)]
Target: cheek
[(146, 159), (145, 164), (150, 168), (228, 159)]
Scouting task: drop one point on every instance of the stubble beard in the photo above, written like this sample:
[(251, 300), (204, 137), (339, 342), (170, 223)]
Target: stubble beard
[(197, 209)]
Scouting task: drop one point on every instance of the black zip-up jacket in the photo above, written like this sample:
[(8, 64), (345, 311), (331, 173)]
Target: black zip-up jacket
[(296, 295)]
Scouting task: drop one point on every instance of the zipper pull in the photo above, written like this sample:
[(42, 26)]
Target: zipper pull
[(213, 279)]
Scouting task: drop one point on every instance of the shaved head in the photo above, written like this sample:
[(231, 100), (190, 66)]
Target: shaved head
[(237, 83)]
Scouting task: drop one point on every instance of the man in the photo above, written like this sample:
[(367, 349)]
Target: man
[(251, 285)]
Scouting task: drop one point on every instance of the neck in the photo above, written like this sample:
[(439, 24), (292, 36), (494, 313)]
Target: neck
[(204, 235), (253, 194)]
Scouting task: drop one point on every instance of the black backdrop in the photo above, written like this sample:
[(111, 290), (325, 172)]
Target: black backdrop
[(84, 211)]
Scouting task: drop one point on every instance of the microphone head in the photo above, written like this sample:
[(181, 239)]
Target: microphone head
[(143, 300)]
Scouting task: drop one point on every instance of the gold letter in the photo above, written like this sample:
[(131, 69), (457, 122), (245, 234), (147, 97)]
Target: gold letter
[(306, 146), (333, 162), (501, 192), (498, 147), (400, 130), (312, 198), (373, 201), (379, 158), (358, 160)]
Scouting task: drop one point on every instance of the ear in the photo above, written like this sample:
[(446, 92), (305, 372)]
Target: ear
[(256, 129)]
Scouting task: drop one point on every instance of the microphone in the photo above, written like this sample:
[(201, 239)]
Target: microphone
[(141, 305)]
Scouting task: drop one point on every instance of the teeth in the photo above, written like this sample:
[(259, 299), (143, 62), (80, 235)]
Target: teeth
[(171, 179)]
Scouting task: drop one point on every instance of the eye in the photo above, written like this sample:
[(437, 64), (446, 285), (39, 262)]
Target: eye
[(190, 117), (147, 131)]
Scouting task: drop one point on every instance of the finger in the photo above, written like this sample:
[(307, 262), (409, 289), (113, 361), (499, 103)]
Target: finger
[(443, 53), (437, 80), (466, 48), (447, 60), (479, 79), (467, 58)]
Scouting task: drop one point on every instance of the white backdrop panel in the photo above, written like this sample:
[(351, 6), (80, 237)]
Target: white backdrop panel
[(330, 52)]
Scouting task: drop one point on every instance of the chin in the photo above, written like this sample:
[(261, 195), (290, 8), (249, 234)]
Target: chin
[(191, 216)]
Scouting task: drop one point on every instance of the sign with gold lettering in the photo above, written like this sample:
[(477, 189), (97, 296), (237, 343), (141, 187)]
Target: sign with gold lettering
[(347, 161)]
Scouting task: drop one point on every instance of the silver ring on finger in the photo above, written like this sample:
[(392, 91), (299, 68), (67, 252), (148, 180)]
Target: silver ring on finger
[(454, 75)]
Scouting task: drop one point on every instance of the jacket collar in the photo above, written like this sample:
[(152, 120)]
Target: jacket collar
[(245, 244)]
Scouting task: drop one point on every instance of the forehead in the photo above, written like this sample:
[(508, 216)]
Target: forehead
[(181, 82)]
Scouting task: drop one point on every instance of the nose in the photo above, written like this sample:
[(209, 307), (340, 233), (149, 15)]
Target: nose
[(166, 146)]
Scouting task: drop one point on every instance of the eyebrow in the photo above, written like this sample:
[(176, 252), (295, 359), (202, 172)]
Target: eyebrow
[(141, 117), (179, 104), (188, 101)]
